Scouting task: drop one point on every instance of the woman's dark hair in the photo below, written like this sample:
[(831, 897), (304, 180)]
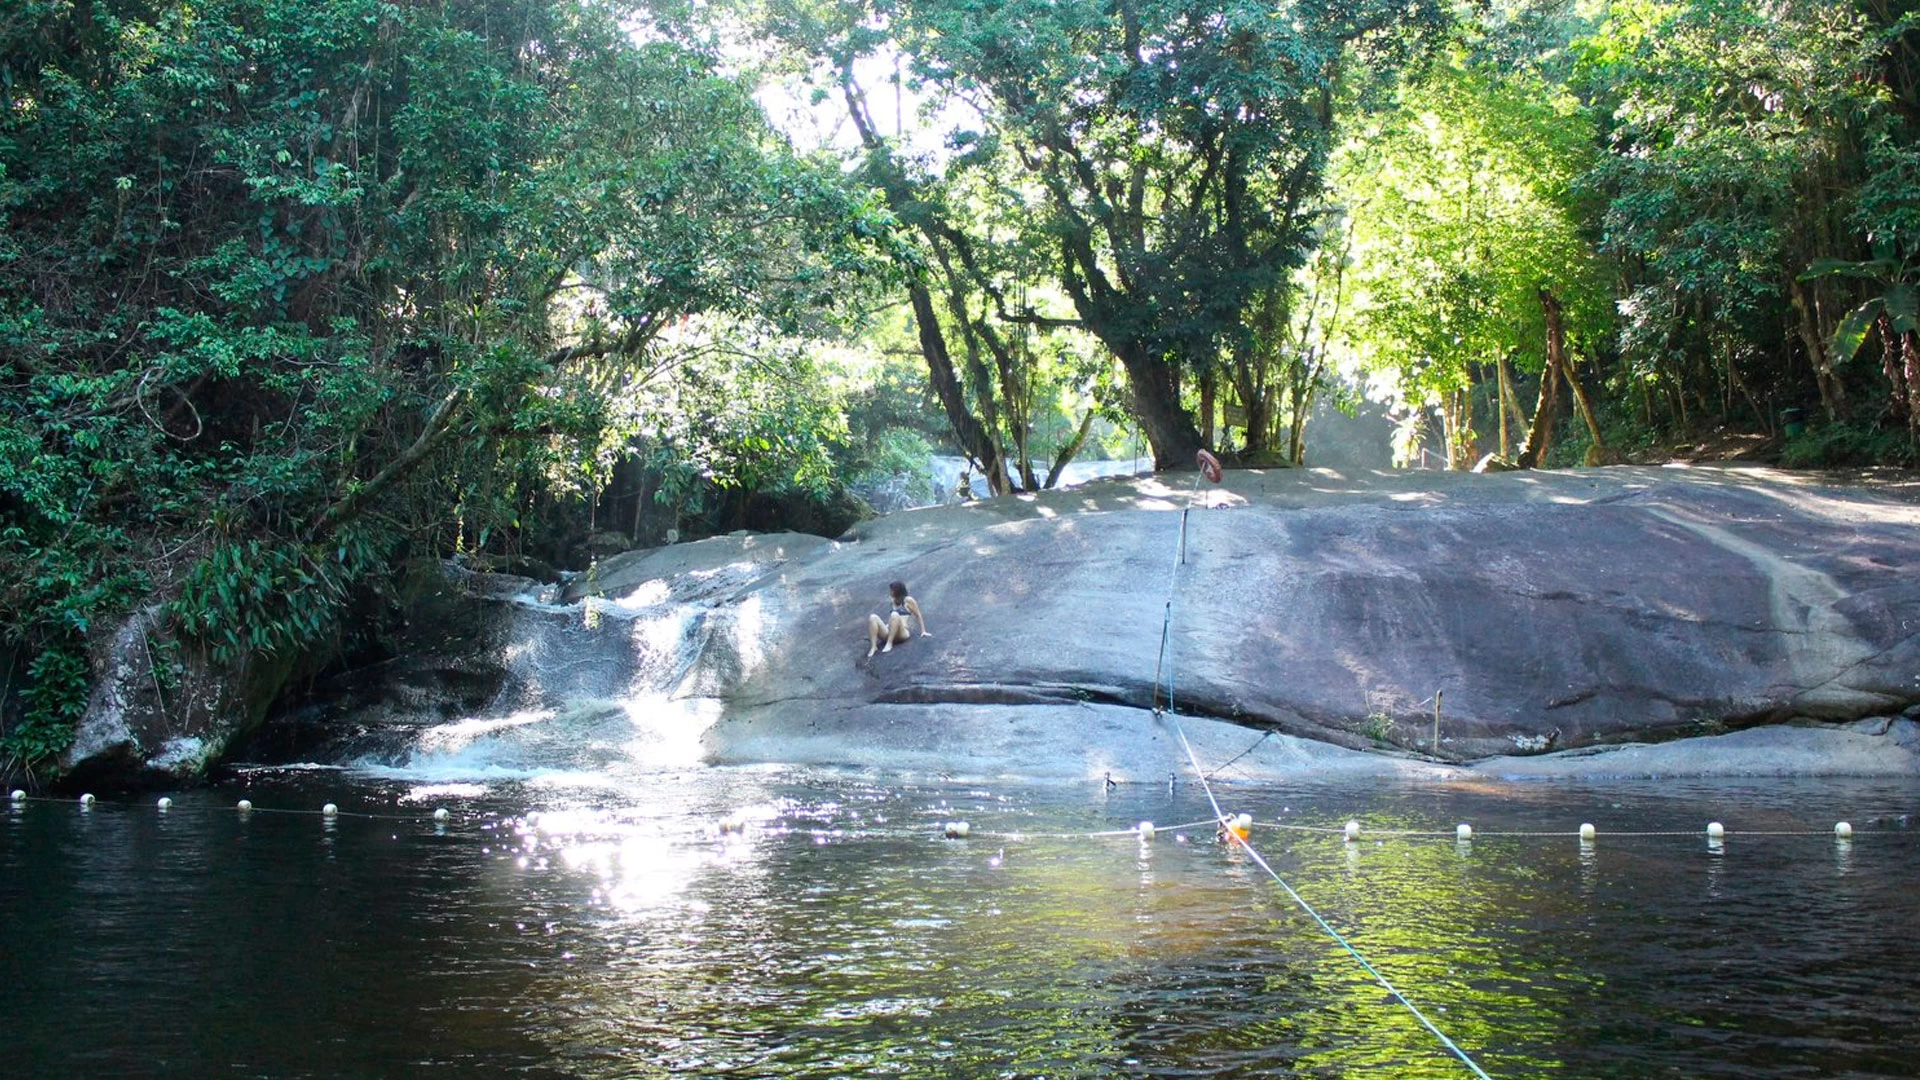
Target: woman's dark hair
[(899, 591)]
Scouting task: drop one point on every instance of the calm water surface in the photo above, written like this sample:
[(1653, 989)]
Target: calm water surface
[(618, 934)]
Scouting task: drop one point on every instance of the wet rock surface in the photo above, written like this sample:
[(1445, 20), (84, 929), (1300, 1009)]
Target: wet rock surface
[(1746, 621), (1552, 611)]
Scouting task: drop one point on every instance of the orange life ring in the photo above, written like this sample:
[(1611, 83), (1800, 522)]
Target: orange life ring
[(1209, 465)]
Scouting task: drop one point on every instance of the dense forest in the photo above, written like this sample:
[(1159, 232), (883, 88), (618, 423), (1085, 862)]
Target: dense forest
[(293, 292)]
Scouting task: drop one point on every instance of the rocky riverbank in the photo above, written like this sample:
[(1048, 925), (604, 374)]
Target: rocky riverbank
[(1560, 616), (1624, 621)]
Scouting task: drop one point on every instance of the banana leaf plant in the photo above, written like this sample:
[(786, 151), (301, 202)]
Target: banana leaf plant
[(1893, 311)]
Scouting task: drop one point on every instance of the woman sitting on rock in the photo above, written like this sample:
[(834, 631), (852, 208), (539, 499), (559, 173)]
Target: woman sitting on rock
[(892, 628)]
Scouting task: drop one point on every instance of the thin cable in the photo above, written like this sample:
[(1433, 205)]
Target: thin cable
[(1217, 769), (1207, 786), (1371, 970), (204, 808), (1101, 835), (1324, 925), (1329, 830)]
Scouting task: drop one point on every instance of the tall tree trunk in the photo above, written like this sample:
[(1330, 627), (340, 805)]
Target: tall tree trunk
[(1833, 397), (1456, 411), (1305, 384), (1254, 370), (1206, 409), (1910, 349), (1169, 428), (1597, 454), (1511, 401), (1506, 399), (1302, 400), (1111, 315), (1541, 433), (1893, 347), (975, 440), (1260, 429), (1065, 451)]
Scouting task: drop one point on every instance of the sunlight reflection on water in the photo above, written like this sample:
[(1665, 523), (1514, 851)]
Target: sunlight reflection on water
[(617, 930)]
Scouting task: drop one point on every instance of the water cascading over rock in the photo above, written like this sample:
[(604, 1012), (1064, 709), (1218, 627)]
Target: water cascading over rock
[(497, 675)]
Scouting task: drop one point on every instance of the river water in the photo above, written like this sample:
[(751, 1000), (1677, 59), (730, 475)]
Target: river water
[(570, 925)]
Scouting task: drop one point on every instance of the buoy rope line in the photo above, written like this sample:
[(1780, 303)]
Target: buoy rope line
[(1239, 835), (1546, 833), (90, 803), (1022, 835), (1100, 835)]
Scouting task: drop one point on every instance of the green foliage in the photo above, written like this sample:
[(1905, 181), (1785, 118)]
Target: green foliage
[(1170, 148), (1463, 206), (248, 598), (1825, 446), (749, 414), (1720, 193), (1735, 136), (54, 699), (891, 472), (286, 285)]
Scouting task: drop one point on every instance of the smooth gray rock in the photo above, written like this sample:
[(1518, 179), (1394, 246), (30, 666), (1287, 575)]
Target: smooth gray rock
[(143, 728), (1748, 622), (1553, 610), (1862, 748)]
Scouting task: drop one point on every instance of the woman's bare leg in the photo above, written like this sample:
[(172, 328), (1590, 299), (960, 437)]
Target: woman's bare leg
[(897, 631), (874, 629)]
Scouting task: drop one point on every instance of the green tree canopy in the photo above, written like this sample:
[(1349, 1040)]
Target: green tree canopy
[(288, 286), (1464, 208)]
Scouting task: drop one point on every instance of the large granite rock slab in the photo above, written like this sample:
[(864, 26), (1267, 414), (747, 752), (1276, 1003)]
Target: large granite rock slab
[(1549, 610), (1608, 622)]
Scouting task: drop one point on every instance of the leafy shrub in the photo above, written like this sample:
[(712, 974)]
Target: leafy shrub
[(1835, 445), (250, 596), (1378, 727), (55, 697)]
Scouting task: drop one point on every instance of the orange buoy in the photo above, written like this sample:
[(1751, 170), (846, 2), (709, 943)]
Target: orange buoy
[(1209, 465), (1238, 827)]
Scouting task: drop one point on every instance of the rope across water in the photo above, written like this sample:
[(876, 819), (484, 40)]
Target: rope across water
[(1173, 717), (1330, 831)]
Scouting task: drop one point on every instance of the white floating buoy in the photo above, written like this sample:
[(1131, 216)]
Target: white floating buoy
[(244, 806), (958, 830), (1145, 829), (1463, 831), (1586, 831), (329, 810), (1716, 830), (164, 803), (1843, 830), (86, 800), (19, 796), (1353, 831), (1243, 824), (441, 814)]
